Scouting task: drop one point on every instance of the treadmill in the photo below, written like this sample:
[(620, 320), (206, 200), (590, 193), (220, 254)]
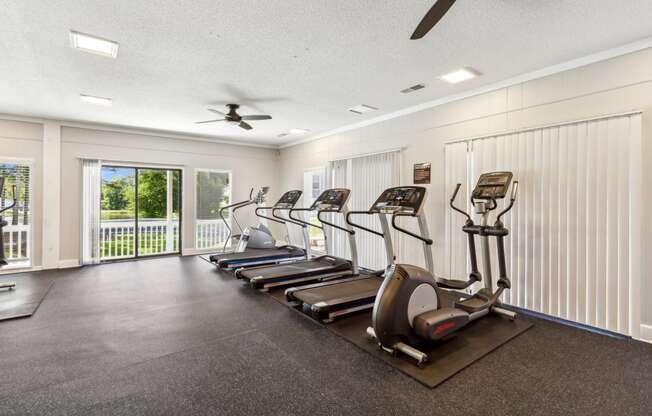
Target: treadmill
[(272, 255), (327, 301), (320, 268)]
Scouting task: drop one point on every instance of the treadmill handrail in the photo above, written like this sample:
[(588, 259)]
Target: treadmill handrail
[(351, 223), (286, 219), (265, 216), (302, 221), (428, 241), (321, 211)]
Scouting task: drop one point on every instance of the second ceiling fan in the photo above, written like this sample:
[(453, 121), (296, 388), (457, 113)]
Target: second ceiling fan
[(431, 18), (232, 117)]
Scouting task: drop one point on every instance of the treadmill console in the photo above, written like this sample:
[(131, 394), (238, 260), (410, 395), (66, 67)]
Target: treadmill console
[(331, 199), (288, 200), (493, 185), (401, 199)]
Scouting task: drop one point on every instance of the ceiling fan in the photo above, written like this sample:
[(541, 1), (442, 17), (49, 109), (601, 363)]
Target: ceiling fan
[(232, 117), (431, 18)]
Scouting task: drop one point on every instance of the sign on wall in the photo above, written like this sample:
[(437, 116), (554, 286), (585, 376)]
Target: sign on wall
[(422, 173)]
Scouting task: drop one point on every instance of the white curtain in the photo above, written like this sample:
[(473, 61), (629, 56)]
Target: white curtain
[(338, 241), (91, 193), (574, 246), (367, 177)]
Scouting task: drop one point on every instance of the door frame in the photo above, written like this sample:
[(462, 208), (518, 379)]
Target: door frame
[(136, 169)]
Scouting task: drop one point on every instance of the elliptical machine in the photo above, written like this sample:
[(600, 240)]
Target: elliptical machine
[(255, 237), (3, 223), (411, 307)]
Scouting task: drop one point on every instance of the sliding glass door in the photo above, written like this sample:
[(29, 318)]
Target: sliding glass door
[(140, 212)]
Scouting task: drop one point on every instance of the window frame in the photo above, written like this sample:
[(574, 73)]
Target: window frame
[(29, 162), (195, 205)]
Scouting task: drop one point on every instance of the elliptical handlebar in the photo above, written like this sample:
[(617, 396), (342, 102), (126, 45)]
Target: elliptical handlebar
[(452, 203), (512, 199), (351, 223)]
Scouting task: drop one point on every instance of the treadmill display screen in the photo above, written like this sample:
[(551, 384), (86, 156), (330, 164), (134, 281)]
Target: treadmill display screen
[(289, 199), (332, 199), (405, 199)]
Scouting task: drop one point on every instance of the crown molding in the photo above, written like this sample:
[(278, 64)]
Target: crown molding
[(519, 79)]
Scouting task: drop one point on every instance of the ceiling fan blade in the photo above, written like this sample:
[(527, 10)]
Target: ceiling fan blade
[(258, 117), (209, 121), (431, 18), (216, 111), (245, 125)]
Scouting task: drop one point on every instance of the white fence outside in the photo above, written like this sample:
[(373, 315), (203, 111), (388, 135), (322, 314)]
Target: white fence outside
[(117, 239), (210, 234), (17, 244)]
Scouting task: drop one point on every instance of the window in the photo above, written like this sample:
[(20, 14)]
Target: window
[(213, 192), (17, 234), (314, 183)]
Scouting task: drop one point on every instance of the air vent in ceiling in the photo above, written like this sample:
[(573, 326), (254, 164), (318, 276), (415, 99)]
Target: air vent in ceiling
[(362, 108), (413, 88)]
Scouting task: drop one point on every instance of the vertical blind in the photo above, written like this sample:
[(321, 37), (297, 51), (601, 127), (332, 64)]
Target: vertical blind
[(367, 177), (91, 195), (574, 246)]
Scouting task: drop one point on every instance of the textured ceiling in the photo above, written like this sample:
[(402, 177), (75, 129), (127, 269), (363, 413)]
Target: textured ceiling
[(305, 62)]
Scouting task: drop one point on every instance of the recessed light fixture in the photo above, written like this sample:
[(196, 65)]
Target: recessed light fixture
[(413, 88), (93, 44), (107, 102), (362, 108), (460, 75), (298, 131)]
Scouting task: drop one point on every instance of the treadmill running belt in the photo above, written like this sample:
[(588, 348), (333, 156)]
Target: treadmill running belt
[(253, 254), (355, 289), (288, 270)]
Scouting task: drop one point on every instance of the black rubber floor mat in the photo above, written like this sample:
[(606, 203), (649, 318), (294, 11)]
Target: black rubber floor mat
[(24, 299), (475, 341)]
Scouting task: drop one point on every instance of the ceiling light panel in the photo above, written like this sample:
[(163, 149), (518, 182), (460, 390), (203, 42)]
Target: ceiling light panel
[(298, 131), (106, 102), (362, 108), (93, 44), (460, 75)]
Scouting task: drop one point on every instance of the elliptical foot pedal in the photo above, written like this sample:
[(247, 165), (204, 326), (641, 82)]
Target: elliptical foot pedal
[(473, 304)]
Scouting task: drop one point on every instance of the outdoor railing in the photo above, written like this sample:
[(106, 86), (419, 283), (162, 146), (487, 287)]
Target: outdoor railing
[(117, 239), (210, 234), (17, 244)]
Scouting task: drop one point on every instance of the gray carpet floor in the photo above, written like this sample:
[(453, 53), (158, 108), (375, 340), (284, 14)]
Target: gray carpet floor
[(172, 336)]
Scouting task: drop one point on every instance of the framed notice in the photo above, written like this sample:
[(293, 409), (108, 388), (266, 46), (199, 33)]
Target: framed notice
[(421, 173)]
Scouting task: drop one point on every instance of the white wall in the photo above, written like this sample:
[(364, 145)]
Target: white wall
[(617, 85), (251, 167)]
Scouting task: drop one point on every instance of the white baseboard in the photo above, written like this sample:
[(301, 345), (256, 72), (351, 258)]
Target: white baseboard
[(66, 264), (196, 251), (646, 333), (21, 270)]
